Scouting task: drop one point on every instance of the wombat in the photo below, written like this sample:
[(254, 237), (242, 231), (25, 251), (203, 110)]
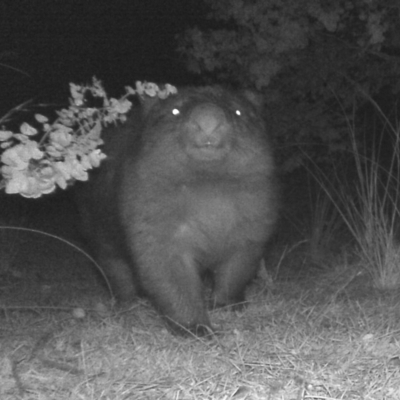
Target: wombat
[(188, 189)]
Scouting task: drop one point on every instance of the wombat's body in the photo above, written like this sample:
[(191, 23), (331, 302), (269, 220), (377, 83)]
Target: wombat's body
[(188, 187)]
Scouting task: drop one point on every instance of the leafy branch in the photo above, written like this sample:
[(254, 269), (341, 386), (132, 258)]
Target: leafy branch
[(69, 146)]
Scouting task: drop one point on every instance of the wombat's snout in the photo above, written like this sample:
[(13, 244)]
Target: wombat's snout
[(207, 125)]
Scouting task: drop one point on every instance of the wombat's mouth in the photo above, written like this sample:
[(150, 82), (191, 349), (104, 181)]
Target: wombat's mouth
[(207, 151), (207, 133)]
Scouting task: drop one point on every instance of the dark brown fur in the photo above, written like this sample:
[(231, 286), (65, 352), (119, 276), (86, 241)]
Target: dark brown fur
[(181, 195)]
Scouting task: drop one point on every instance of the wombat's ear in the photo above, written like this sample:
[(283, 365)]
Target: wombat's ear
[(254, 98)]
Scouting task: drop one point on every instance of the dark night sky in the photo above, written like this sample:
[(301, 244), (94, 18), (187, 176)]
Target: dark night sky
[(118, 41)]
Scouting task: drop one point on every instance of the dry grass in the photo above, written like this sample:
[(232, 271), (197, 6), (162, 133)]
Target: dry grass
[(329, 337), (326, 225)]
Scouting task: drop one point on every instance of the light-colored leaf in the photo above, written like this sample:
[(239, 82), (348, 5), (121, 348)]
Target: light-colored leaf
[(28, 130)]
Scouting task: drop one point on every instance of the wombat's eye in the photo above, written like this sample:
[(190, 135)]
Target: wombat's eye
[(238, 112), (175, 111)]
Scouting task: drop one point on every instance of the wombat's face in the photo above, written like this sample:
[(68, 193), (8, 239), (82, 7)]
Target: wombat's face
[(207, 123)]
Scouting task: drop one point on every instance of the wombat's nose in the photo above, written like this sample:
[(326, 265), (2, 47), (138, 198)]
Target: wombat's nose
[(209, 124)]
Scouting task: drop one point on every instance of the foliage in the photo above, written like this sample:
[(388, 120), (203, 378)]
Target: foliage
[(311, 59), (68, 147), (372, 215), (368, 205)]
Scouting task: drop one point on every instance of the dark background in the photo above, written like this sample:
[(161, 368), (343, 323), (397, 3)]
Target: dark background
[(55, 42)]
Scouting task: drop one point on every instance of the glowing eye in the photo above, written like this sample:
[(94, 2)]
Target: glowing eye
[(175, 111), (238, 113)]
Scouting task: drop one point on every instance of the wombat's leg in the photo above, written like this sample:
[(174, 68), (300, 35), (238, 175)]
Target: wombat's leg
[(173, 283), (119, 276), (231, 277)]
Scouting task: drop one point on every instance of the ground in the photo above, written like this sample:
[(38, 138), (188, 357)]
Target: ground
[(307, 333)]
